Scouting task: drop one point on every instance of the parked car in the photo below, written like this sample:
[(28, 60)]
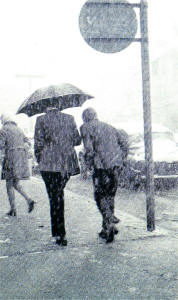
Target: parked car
[(165, 151)]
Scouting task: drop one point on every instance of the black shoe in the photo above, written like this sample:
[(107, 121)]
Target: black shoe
[(116, 231), (58, 241), (61, 241), (110, 236), (102, 234), (31, 206), (64, 242), (115, 220), (12, 213)]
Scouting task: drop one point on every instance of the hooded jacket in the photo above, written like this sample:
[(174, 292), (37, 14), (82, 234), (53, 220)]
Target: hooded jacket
[(105, 146)]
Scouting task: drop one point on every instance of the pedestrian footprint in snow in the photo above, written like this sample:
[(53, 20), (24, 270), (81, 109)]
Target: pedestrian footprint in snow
[(56, 135), (15, 162), (106, 149)]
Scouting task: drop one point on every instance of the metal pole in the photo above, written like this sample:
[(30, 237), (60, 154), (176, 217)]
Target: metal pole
[(150, 205)]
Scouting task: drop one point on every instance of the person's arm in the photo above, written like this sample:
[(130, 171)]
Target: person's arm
[(38, 140), (2, 139), (75, 134), (88, 146), (2, 145), (123, 141), (28, 146)]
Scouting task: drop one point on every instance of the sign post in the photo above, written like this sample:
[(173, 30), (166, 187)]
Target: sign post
[(110, 26), (149, 168)]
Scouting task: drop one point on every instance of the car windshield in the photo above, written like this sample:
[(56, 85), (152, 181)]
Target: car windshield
[(137, 138)]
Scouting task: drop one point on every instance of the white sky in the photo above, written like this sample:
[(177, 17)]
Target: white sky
[(42, 37)]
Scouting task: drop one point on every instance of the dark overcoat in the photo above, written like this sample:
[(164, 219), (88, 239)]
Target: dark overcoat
[(56, 135), (105, 146), (13, 142)]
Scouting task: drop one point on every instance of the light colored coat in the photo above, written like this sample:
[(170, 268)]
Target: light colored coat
[(105, 146), (12, 142), (56, 135)]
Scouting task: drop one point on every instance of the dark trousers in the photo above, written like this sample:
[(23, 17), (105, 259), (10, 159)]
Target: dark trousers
[(105, 183), (55, 184)]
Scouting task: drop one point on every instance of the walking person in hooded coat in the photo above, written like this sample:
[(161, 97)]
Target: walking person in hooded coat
[(15, 163), (106, 150), (56, 135)]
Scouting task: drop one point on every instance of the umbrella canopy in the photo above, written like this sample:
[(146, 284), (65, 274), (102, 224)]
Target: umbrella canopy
[(62, 96)]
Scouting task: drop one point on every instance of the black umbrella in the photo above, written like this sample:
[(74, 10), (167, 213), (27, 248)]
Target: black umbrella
[(62, 96)]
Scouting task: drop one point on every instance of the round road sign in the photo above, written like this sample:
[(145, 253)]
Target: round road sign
[(108, 26)]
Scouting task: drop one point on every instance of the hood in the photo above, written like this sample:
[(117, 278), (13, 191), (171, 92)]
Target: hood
[(89, 114)]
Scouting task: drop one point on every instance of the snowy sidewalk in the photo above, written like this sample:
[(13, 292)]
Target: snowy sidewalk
[(137, 265)]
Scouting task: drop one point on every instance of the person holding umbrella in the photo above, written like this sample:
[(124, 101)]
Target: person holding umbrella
[(55, 137), (106, 149), (15, 163)]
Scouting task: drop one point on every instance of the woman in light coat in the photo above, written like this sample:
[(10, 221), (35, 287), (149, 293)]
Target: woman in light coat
[(15, 163)]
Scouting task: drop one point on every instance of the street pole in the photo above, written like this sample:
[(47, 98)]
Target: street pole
[(150, 204), (120, 35)]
